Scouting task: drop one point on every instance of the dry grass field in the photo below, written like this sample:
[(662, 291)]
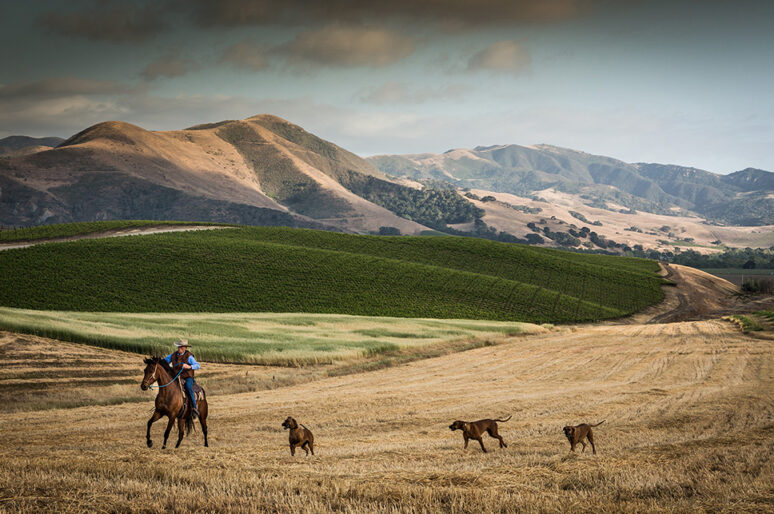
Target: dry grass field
[(689, 410)]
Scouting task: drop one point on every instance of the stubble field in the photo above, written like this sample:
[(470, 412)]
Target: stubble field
[(689, 426)]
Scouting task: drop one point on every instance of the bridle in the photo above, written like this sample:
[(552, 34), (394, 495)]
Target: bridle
[(153, 376)]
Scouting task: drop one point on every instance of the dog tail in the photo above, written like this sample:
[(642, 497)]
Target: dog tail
[(304, 426), (506, 419), (598, 423)]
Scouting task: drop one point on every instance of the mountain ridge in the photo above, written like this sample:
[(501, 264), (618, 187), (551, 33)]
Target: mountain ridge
[(657, 188), (235, 171)]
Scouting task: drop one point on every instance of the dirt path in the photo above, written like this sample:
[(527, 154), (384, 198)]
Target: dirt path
[(695, 296), (112, 233)]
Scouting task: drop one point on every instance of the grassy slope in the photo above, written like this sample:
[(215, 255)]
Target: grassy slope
[(286, 270)]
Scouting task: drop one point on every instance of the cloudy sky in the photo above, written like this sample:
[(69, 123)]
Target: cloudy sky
[(686, 82)]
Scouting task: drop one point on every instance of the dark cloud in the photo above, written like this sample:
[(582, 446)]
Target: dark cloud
[(108, 21), (503, 56), (246, 55), (346, 46), (59, 87), (402, 93), (171, 64), (445, 12), (54, 105)]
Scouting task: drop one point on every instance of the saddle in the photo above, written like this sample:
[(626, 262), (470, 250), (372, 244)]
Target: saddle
[(198, 391)]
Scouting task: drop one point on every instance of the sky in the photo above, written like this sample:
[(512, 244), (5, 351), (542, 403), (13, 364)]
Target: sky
[(682, 82)]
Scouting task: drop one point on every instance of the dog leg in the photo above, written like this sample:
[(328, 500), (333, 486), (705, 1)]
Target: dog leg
[(311, 447), (481, 442), (584, 446), (305, 446), (493, 433), (464, 436), (591, 440), (292, 450)]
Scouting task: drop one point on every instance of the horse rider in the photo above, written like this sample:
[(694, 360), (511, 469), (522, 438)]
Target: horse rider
[(184, 357)]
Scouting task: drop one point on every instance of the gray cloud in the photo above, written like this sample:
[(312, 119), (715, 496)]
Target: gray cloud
[(247, 55), (503, 56), (443, 12), (171, 64), (60, 86), (54, 106), (347, 46), (111, 21), (402, 93)]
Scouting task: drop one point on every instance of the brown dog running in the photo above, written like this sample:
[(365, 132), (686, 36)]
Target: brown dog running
[(580, 432), (475, 429), (299, 436)]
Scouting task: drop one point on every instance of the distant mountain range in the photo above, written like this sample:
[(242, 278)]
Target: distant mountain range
[(741, 198), (264, 170)]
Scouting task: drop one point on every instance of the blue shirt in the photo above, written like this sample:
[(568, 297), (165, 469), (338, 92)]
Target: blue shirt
[(191, 361)]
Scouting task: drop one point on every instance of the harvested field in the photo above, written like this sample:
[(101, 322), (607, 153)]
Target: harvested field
[(689, 410)]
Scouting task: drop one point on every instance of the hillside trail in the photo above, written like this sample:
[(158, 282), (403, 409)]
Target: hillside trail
[(134, 231), (696, 295)]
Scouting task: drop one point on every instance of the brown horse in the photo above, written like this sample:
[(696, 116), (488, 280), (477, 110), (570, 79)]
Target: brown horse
[(169, 401)]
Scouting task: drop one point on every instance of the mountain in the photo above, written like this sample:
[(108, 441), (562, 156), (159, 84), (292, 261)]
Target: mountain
[(261, 171), (741, 198), (18, 145)]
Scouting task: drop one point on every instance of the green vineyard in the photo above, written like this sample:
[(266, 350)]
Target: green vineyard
[(259, 269)]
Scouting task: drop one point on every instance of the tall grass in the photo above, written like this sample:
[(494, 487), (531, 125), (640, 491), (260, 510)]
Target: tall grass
[(279, 339)]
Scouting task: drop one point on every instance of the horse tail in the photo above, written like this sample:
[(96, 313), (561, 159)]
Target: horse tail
[(189, 422)]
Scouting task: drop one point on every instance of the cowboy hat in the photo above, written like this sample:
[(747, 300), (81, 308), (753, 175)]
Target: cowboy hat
[(182, 342)]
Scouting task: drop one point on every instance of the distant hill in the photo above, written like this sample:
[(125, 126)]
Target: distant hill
[(262, 171), (741, 198), (18, 145)]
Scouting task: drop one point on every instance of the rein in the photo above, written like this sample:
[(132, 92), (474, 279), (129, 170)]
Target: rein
[(165, 385)]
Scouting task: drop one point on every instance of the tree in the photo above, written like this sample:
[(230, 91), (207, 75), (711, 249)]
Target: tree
[(389, 231)]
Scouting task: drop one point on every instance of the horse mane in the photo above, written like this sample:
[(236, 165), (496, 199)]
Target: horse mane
[(158, 359)]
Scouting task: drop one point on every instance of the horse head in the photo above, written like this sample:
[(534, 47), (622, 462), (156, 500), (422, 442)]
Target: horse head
[(151, 372)]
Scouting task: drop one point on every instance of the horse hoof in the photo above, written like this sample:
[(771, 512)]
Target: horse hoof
[(206, 445), (150, 443)]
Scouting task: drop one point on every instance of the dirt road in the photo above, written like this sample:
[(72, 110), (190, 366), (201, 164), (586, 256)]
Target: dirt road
[(112, 233)]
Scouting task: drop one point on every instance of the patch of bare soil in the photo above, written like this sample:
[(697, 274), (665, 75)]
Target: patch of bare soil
[(695, 296)]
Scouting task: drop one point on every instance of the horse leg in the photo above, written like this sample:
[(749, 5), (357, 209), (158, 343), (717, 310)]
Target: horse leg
[(180, 422), (203, 423), (155, 417), (166, 432)]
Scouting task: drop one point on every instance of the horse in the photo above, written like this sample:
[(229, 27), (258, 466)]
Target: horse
[(170, 402)]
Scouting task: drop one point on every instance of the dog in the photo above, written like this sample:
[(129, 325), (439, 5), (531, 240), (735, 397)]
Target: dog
[(580, 432), (475, 429), (299, 436)]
